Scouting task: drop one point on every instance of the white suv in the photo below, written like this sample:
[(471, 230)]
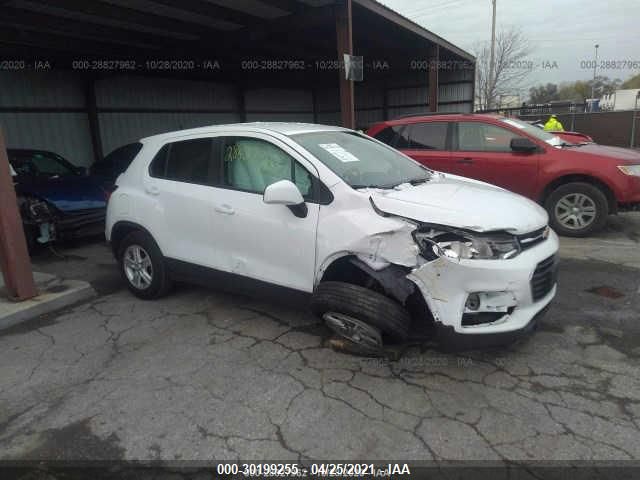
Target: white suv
[(377, 242)]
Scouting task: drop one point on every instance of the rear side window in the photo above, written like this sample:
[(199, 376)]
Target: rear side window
[(428, 136), (394, 136), (189, 161)]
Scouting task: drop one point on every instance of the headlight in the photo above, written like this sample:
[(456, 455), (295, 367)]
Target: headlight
[(630, 170), (458, 245)]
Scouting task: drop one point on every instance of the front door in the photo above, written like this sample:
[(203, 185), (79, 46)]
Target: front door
[(261, 241), (483, 151)]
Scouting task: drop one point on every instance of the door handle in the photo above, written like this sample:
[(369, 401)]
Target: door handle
[(152, 189), (465, 161), (224, 209)]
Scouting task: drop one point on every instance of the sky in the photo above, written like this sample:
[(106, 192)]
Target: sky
[(563, 33)]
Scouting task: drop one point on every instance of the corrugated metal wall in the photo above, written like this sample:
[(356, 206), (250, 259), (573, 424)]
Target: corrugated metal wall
[(119, 128), (162, 105), (409, 94), (48, 111), (279, 105), (34, 114), (455, 93)]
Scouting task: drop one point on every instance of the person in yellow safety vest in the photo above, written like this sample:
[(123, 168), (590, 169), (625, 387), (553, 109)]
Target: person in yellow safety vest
[(553, 125)]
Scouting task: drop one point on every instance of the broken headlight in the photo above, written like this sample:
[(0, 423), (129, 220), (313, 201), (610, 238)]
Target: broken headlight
[(457, 244), (34, 209)]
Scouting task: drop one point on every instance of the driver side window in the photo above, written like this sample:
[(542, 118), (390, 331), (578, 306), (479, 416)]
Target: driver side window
[(482, 137), (251, 165)]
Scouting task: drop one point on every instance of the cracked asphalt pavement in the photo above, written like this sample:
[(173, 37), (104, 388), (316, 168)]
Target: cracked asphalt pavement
[(204, 375)]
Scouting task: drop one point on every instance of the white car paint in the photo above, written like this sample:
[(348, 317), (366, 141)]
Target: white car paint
[(238, 232)]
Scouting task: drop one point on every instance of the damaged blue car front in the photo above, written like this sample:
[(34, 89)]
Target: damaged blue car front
[(56, 199)]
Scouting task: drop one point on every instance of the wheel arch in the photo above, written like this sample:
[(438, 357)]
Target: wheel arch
[(584, 178), (390, 281), (123, 228)]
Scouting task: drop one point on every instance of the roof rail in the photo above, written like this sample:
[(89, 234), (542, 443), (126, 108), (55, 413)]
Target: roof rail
[(432, 114)]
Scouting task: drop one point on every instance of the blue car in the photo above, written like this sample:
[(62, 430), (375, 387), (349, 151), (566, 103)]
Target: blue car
[(57, 200)]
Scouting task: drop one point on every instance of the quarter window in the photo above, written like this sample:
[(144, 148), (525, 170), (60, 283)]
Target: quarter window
[(251, 165), (189, 161), (394, 137), (482, 137)]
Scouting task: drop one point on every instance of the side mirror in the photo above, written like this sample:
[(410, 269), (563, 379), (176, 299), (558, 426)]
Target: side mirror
[(285, 192), (524, 145)]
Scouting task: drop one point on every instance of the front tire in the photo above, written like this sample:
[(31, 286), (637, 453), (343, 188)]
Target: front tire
[(143, 267), (577, 209), (361, 307)]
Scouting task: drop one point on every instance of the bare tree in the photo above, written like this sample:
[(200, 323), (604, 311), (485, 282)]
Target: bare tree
[(511, 67)]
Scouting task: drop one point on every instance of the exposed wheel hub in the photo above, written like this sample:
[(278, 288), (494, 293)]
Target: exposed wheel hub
[(354, 330)]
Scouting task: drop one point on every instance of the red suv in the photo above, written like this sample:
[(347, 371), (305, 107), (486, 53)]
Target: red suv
[(578, 183)]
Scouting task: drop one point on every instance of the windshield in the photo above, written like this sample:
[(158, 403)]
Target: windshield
[(361, 161), (534, 131), (34, 163)]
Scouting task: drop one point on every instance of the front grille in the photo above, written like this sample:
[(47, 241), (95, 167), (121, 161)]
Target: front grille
[(532, 239), (544, 278)]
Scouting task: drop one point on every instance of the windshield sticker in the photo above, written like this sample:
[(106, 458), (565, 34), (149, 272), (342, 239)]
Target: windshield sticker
[(513, 123), (339, 152)]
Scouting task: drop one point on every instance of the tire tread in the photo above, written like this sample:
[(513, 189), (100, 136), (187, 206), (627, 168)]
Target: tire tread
[(367, 305)]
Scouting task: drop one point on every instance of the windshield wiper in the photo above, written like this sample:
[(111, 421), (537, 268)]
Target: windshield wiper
[(571, 145), (383, 187), (419, 180), (413, 181)]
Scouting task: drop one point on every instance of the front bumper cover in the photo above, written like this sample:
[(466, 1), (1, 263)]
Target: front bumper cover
[(449, 340), (446, 285)]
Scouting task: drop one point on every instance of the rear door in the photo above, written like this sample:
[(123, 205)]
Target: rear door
[(428, 143), (482, 151), (180, 184)]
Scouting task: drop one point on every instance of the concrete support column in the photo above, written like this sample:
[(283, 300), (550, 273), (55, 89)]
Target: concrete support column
[(14, 256), (434, 61), (344, 32)]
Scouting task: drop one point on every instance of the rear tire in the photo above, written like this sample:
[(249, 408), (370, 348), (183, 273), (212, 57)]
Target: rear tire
[(143, 267), (363, 304), (577, 209)]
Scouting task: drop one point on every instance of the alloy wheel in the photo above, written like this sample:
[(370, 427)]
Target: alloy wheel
[(138, 267), (575, 211)]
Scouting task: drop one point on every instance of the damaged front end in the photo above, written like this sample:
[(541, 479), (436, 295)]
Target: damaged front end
[(474, 289), (38, 219)]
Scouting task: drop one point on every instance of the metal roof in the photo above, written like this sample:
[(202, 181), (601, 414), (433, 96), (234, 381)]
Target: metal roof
[(408, 24), (221, 29)]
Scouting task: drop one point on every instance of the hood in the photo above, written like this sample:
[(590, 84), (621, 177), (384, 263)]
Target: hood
[(625, 155), (67, 193), (463, 203)]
